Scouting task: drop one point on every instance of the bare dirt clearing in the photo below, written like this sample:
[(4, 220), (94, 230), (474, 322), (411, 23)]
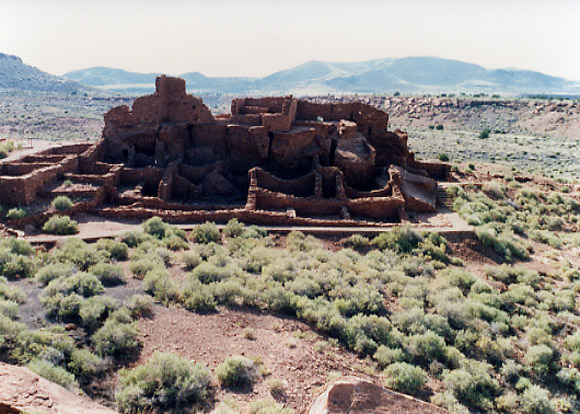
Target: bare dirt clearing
[(287, 349)]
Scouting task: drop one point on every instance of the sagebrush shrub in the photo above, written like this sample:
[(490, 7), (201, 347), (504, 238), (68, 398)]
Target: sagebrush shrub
[(140, 305), (109, 274), (535, 400), (237, 371), (116, 339), (539, 358), (205, 233), (117, 250), (472, 384), (86, 365), (267, 407), (167, 382), (53, 373), (158, 283), (401, 239), (386, 356), (61, 203), (79, 253), (405, 378), (190, 259), (16, 213), (53, 271), (60, 225), (84, 284), (234, 228), (143, 266)]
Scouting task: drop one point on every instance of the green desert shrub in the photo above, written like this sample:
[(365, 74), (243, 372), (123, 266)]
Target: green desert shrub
[(570, 378), (16, 213), (155, 227), (205, 233), (513, 274), (53, 271), (358, 242), (167, 382), (84, 284), (60, 225), (139, 305), (265, 406), (117, 250), (237, 371), (234, 228), (535, 400), (385, 356), (405, 378), (572, 342), (426, 347), (52, 343), (134, 238), (145, 265), (199, 297), (13, 264), (484, 134), (539, 358), (208, 273), (175, 242), (62, 306), (9, 292), (17, 246), (172, 237), (9, 308), (472, 384), (296, 241), (79, 253), (109, 274), (86, 365), (61, 203), (93, 311), (6, 148), (401, 239), (493, 190), (504, 243), (546, 237), (159, 283), (190, 259), (53, 373), (116, 339)]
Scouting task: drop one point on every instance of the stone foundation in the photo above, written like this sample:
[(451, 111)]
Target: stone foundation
[(277, 160)]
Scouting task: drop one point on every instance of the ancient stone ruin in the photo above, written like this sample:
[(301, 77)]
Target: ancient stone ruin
[(274, 160)]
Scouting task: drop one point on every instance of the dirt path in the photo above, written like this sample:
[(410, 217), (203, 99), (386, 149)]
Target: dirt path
[(94, 227), (37, 145)]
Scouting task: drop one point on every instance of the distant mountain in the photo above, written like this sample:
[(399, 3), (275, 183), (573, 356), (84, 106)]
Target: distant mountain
[(16, 75), (406, 75), (102, 76)]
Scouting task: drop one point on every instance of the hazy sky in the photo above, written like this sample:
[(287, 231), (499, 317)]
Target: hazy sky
[(255, 38)]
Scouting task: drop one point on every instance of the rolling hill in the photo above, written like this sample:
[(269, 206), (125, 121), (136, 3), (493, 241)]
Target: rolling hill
[(407, 75), (16, 75)]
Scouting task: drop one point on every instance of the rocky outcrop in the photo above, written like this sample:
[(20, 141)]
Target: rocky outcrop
[(22, 391), (357, 396)]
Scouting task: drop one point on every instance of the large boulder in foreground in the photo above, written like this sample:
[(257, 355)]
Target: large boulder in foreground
[(357, 396), (22, 391)]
